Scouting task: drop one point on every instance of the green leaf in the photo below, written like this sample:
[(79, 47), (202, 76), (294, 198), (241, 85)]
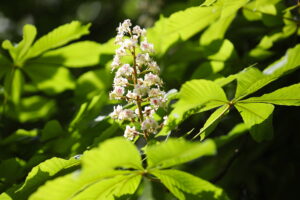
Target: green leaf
[(11, 170), (33, 108), (19, 136), (87, 112), (181, 26), (176, 151), (19, 51), (51, 130), (260, 51), (5, 196), (230, 7), (251, 79), (200, 95), (91, 84), (58, 37), (101, 171), (258, 118), (247, 80), (50, 79), (108, 189), (208, 69), (179, 183), (216, 31), (287, 96), (13, 85), (103, 158), (79, 54), (213, 121), (289, 62), (219, 50), (43, 172)]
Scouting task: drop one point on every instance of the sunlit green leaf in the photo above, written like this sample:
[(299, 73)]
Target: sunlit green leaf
[(100, 172), (179, 183), (176, 151), (43, 172), (19, 51), (50, 79), (213, 121), (216, 31), (14, 82), (258, 118), (181, 26), (287, 96), (58, 37), (33, 108), (79, 54), (200, 95)]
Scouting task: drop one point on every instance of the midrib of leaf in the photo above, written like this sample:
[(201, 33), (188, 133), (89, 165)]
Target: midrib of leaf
[(267, 100), (212, 122)]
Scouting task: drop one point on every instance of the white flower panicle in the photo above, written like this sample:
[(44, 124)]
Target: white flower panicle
[(137, 82)]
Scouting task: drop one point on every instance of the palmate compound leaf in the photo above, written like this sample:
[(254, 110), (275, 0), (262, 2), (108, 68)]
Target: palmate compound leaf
[(58, 37), (107, 169), (176, 151), (258, 119), (195, 96), (43, 172), (286, 96), (179, 183)]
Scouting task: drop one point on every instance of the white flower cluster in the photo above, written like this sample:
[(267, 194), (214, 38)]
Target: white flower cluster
[(137, 82)]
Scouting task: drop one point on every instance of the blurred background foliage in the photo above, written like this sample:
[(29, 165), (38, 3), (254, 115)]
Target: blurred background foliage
[(65, 123)]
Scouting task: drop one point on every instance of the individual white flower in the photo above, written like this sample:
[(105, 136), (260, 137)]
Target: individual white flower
[(127, 114), (142, 59), (150, 125), (138, 31), (148, 111), (131, 95), (121, 51), (119, 39), (155, 92), (152, 66), (124, 27), (141, 90), (129, 43), (116, 62), (130, 132), (119, 81), (117, 93), (125, 70), (158, 102), (147, 47), (117, 110), (151, 79)]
